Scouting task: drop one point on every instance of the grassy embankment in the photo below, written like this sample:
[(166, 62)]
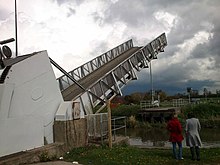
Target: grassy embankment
[(127, 155)]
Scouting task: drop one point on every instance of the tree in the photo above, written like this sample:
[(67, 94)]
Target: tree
[(137, 97), (163, 95), (128, 99)]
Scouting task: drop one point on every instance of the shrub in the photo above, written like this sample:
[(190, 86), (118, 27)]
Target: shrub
[(126, 110), (203, 111), (131, 123), (45, 157)]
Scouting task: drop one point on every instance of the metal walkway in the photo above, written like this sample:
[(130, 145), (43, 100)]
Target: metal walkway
[(103, 77)]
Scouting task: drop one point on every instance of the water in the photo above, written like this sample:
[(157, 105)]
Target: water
[(158, 137)]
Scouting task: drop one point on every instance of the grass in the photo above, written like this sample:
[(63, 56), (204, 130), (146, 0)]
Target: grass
[(128, 155)]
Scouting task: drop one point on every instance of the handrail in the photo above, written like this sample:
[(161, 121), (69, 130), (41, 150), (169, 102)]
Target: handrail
[(65, 73), (87, 68), (116, 127), (99, 122)]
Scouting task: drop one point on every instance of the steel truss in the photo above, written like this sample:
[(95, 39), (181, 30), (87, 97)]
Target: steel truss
[(110, 84)]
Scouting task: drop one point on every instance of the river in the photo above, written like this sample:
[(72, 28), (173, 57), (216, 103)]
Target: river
[(158, 137)]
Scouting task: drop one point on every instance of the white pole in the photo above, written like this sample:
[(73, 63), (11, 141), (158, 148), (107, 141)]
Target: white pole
[(151, 81), (109, 124), (16, 30), (189, 97)]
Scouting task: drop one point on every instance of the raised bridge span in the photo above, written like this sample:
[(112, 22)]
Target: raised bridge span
[(103, 77)]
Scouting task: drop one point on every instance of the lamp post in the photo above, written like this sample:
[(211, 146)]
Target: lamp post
[(16, 30), (151, 81), (205, 93), (189, 89)]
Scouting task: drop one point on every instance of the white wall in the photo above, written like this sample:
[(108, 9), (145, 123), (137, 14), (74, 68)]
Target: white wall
[(18, 134), (6, 92), (30, 98)]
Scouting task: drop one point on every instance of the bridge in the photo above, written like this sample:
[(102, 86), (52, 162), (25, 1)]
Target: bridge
[(103, 77)]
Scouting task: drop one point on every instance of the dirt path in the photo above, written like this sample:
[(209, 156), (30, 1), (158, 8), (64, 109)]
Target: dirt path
[(55, 163)]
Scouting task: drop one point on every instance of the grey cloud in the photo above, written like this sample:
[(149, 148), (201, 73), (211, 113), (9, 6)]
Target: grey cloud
[(71, 12), (101, 47), (97, 18), (215, 48), (130, 12), (4, 14), (210, 49), (78, 2), (134, 13), (170, 85), (201, 51)]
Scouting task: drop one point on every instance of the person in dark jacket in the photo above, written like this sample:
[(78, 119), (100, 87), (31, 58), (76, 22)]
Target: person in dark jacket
[(176, 137), (192, 135)]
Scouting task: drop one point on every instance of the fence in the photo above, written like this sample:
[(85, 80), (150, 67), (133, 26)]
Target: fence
[(145, 104), (180, 102), (98, 126), (117, 124)]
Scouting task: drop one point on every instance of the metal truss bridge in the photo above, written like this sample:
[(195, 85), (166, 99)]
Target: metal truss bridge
[(102, 78)]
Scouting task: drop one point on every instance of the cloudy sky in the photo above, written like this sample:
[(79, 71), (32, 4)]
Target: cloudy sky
[(75, 31)]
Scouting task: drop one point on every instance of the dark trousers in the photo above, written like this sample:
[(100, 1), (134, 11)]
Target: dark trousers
[(192, 150)]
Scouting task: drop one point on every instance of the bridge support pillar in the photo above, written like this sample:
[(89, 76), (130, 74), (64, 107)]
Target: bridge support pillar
[(73, 133)]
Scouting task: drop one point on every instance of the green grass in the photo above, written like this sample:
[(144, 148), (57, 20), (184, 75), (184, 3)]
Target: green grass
[(128, 155)]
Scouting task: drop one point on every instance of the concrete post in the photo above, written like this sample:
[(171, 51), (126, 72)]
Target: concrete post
[(109, 124)]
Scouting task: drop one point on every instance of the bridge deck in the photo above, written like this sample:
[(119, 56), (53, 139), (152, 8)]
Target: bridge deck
[(74, 90), (158, 114)]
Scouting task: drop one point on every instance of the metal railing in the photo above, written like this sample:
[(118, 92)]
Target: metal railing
[(98, 126), (89, 67), (118, 123), (180, 102), (145, 104)]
